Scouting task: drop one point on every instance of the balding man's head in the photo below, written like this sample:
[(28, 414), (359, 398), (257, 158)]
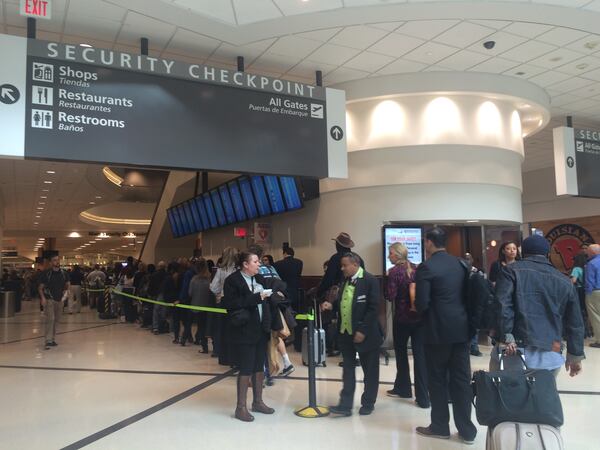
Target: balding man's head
[(161, 265), (593, 250)]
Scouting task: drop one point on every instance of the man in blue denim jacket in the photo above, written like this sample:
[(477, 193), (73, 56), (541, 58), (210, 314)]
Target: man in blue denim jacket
[(534, 300)]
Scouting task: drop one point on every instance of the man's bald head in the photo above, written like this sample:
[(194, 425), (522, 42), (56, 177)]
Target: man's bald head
[(593, 250), (161, 265)]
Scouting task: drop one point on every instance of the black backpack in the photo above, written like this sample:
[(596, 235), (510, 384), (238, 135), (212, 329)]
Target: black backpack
[(479, 300)]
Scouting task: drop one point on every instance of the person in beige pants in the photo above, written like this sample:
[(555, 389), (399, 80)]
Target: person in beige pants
[(52, 289), (592, 290)]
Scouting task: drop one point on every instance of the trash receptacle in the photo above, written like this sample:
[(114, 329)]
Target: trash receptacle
[(7, 304)]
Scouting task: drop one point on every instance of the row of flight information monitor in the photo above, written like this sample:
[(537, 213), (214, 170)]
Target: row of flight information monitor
[(241, 199)]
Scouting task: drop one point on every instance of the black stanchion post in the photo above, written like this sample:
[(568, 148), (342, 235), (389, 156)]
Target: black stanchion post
[(311, 411)]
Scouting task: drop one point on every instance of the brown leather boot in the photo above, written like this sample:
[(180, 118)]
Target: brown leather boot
[(257, 387), (241, 412)]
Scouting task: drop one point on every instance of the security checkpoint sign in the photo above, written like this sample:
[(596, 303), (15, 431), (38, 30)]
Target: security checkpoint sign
[(96, 105), (577, 162), (38, 9)]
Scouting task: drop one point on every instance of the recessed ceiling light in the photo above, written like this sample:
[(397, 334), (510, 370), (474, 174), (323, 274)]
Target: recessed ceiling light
[(74, 234), (591, 45), (520, 73), (556, 58), (37, 217), (51, 172), (47, 182), (98, 239), (45, 190), (472, 221), (43, 196), (582, 66), (41, 203), (35, 223), (92, 203), (85, 45), (40, 207), (98, 196), (124, 246)]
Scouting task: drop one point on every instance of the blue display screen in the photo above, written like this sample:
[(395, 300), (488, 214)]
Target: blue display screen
[(196, 220), (274, 193), (185, 223), (177, 220), (199, 202), (236, 198), (174, 229), (214, 195), (290, 193), (227, 205), (248, 197), (210, 210), (261, 196)]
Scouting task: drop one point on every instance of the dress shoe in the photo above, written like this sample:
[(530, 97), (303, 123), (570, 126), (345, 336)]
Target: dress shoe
[(595, 345), (422, 405), (366, 410), (52, 344), (340, 410), (427, 431), (396, 394)]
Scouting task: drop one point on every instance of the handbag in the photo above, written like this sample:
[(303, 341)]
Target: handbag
[(525, 396), (284, 333), (288, 315), (239, 317)]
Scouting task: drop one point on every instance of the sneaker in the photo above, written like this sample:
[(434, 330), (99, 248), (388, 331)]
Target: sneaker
[(47, 346), (595, 345), (366, 410), (340, 411), (427, 432), (269, 381), (396, 394), (476, 352), (52, 344), (176, 341), (289, 369)]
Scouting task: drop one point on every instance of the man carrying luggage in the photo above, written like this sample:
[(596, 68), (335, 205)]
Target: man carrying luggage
[(54, 283), (360, 332), (534, 300)]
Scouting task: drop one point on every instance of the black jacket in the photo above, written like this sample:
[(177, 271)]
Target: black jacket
[(365, 309), (237, 295), (156, 281), (290, 271), (538, 305), (441, 299)]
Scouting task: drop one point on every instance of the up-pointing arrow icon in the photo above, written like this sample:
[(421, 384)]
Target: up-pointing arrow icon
[(336, 133), (9, 94)]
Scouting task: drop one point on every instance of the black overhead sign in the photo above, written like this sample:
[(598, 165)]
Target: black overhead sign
[(96, 105), (577, 162)]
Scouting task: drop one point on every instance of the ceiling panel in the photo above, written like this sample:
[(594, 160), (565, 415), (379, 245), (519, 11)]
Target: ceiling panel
[(333, 54), (396, 44), (426, 29), (528, 51), (527, 29), (359, 37), (288, 45), (463, 34), (503, 42), (430, 53), (369, 62), (463, 60), (249, 11), (193, 44)]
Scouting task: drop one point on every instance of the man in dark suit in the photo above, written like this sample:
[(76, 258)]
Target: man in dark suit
[(290, 271), (440, 298), (360, 332)]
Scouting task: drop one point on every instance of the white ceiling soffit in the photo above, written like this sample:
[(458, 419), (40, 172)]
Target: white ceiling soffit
[(242, 21)]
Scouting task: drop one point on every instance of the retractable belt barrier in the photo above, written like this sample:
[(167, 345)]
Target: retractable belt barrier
[(194, 308)]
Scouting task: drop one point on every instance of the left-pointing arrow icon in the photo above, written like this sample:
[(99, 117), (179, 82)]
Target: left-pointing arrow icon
[(9, 94)]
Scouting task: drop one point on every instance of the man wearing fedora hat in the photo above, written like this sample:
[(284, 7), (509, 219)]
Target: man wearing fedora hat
[(328, 287)]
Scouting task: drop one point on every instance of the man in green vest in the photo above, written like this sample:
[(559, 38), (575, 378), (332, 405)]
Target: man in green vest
[(360, 332)]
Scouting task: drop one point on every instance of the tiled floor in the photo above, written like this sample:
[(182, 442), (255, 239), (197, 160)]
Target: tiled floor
[(114, 386)]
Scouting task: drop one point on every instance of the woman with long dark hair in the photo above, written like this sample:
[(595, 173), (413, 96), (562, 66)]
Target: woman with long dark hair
[(508, 253), (249, 322)]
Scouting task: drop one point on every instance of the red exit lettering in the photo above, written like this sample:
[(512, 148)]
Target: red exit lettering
[(36, 7)]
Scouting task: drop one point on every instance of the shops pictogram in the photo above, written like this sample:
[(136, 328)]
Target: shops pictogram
[(9, 94), (570, 162), (336, 133), (41, 95), (41, 118), (43, 72)]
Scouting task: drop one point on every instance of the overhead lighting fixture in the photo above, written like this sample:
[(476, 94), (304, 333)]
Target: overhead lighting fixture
[(35, 223), (74, 234), (45, 190), (111, 176), (41, 203), (114, 220), (92, 203), (47, 182), (98, 196), (98, 239), (85, 45), (51, 172), (472, 221), (520, 73), (43, 196), (124, 246), (40, 207), (130, 236)]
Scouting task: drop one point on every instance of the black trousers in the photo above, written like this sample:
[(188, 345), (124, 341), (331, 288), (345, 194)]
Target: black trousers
[(370, 366), (402, 384), (449, 370), (177, 316), (200, 319)]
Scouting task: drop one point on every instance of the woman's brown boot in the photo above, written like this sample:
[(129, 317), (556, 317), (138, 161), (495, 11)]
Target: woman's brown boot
[(241, 412), (257, 387)]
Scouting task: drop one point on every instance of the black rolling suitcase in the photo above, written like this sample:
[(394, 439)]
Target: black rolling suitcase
[(319, 341)]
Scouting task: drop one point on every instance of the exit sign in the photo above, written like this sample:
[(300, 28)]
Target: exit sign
[(39, 9)]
